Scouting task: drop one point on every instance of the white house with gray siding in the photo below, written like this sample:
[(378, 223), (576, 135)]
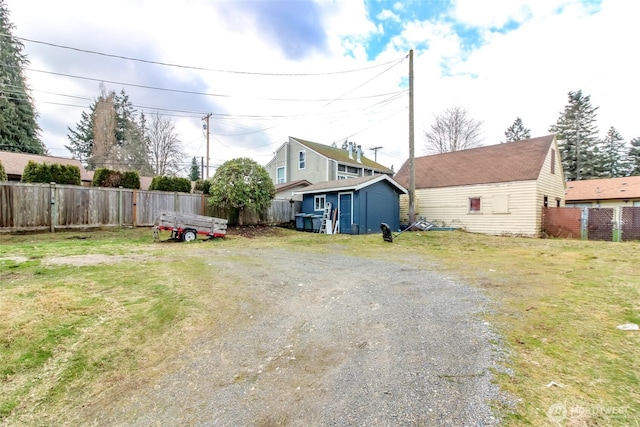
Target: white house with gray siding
[(497, 189), (298, 159)]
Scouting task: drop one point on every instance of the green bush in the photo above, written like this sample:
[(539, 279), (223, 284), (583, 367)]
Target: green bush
[(46, 173), (104, 177), (131, 179), (170, 183), (3, 173), (203, 185)]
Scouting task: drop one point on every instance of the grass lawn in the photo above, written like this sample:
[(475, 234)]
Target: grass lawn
[(81, 312)]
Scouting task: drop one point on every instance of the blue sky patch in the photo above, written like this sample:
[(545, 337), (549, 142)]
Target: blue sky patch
[(393, 15)]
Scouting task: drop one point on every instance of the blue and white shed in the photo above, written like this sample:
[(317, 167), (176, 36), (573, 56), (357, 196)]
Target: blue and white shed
[(362, 203)]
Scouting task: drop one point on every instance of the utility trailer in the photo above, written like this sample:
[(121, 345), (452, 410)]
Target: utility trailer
[(186, 227)]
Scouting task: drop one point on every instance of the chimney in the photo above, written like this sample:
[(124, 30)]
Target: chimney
[(359, 153), (350, 149)]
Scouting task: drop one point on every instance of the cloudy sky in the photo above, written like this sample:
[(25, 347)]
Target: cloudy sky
[(329, 70)]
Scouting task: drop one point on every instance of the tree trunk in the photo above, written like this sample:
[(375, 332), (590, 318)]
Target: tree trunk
[(241, 216)]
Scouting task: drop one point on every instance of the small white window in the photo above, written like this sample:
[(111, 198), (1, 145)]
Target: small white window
[(318, 202), (302, 159), (280, 175)]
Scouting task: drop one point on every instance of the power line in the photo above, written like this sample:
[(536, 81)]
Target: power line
[(189, 92), (167, 64)]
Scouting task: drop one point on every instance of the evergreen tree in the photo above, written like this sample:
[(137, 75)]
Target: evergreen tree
[(194, 174), (611, 158), (81, 139), (577, 137), (111, 135), (18, 118), (3, 173), (634, 157), (517, 131)]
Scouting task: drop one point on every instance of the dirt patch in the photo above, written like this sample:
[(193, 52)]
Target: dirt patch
[(252, 231), (92, 259), (18, 259)]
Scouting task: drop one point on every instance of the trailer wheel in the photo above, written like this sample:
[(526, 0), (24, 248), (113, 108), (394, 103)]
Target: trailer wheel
[(189, 235)]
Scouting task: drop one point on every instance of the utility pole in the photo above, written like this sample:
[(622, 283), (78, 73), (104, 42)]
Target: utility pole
[(206, 126), (412, 172), (375, 153), (201, 167)]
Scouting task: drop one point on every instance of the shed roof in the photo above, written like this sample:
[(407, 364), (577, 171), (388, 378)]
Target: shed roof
[(287, 185), (508, 162), (603, 189), (14, 163), (351, 184), (342, 156)]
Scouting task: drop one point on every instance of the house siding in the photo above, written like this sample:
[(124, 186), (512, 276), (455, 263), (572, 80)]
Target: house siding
[(371, 206), (550, 184), (374, 205), (513, 208), (449, 207), (278, 161)]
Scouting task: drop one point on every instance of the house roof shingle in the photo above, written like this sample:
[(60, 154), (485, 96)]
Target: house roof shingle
[(14, 163), (350, 184), (603, 189), (511, 161), (342, 156)]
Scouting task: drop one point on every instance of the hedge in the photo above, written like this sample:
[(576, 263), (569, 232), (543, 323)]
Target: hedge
[(171, 183), (46, 173), (103, 177), (3, 173)]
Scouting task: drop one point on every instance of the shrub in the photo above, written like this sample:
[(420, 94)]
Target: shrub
[(203, 185), (104, 177), (46, 173), (3, 173), (171, 183), (131, 179)]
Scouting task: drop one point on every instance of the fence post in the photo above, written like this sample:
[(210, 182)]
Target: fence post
[(203, 205), (134, 211), (120, 207), (584, 224), (53, 214), (617, 224), (176, 202)]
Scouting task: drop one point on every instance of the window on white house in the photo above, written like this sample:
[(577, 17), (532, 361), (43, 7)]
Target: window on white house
[(474, 204), (318, 202), (302, 159), (280, 175)]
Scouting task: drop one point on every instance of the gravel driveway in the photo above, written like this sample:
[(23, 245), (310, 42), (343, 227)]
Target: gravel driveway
[(338, 340)]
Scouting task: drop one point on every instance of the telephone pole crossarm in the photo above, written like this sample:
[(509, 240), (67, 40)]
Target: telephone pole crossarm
[(375, 152)]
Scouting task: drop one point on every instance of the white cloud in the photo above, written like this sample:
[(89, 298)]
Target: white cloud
[(388, 15), (559, 46)]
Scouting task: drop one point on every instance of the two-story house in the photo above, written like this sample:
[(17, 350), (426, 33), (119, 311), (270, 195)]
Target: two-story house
[(298, 159)]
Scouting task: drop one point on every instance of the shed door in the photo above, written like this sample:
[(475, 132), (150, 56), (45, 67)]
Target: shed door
[(345, 212)]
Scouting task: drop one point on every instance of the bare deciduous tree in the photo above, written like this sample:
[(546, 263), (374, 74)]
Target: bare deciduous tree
[(453, 130), (164, 146)]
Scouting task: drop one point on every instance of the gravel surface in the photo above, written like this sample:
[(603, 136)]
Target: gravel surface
[(337, 340)]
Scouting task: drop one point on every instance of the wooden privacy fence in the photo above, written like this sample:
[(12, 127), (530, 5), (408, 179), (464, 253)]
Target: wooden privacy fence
[(609, 224), (50, 207)]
